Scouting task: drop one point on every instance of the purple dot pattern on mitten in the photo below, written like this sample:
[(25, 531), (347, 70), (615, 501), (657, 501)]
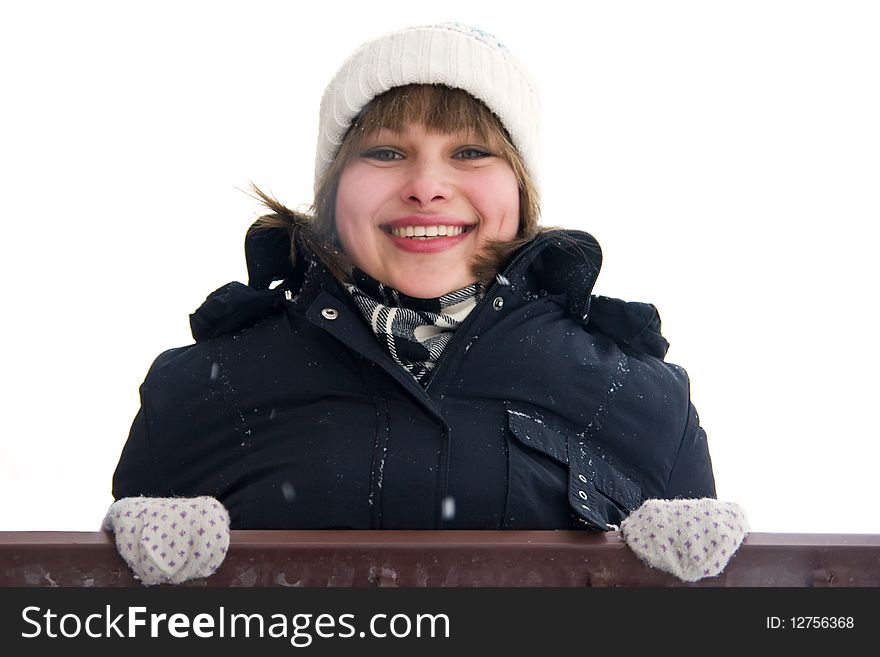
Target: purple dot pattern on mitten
[(691, 539), (164, 540)]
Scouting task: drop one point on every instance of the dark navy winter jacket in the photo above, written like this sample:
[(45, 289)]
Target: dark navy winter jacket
[(549, 409)]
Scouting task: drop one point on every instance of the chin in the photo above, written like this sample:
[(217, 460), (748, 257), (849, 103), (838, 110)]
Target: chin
[(428, 289)]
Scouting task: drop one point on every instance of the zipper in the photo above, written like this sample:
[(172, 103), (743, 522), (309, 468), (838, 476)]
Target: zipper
[(460, 332)]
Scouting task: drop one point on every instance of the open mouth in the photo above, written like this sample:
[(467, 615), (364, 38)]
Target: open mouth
[(426, 232)]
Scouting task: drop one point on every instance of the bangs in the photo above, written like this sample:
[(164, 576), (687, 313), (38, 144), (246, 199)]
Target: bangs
[(438, 108)]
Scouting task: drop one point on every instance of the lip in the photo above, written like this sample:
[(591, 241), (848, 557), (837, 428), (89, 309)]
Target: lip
[(426, 247), (434, 245)]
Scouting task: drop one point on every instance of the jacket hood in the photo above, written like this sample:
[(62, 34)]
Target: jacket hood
[(560, 262)]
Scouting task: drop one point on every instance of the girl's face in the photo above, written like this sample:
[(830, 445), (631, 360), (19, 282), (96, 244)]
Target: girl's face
[(414, 208)]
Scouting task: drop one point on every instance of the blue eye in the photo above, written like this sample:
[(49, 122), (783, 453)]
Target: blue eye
[(471, 153), (383, 155)]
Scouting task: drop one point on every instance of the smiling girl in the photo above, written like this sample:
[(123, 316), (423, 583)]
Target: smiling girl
[(417, 352)]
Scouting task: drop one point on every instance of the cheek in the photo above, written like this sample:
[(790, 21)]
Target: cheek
[(352, 208), (500, 198)]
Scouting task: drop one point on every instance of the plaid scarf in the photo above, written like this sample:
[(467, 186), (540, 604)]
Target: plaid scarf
[(413, 331)]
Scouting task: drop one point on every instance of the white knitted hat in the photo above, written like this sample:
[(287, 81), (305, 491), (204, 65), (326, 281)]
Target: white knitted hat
[(450, 53)]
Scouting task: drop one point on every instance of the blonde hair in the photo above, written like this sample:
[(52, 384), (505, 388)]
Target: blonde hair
[(438, 108)]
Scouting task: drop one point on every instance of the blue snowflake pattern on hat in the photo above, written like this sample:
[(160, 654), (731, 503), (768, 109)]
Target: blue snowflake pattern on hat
[(482, 35)]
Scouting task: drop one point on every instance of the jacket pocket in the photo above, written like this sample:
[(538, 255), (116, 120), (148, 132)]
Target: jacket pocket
[(553, 472)]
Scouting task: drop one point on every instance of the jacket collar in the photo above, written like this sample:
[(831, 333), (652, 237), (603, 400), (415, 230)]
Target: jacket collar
[(558, 262)]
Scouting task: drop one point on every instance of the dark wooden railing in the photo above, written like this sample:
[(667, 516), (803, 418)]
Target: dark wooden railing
[(444, 558)]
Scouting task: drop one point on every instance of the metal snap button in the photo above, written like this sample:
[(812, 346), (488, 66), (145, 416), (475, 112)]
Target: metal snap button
[(582, 478), (582, 494), (329, 313), (498, 303)]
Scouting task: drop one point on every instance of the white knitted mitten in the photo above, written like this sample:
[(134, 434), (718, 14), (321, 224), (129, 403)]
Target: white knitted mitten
[(168, 540), (691, 539)]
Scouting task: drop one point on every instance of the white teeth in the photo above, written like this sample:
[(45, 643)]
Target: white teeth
[(427, 232)]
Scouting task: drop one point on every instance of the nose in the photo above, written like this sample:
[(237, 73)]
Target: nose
[(427, 183)]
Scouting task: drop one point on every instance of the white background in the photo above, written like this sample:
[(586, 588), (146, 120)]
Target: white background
[(725, 154)]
